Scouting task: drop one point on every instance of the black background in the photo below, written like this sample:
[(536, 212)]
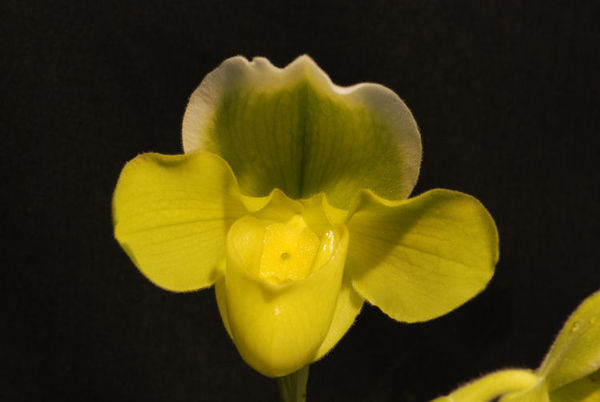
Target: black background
[(506, 94)]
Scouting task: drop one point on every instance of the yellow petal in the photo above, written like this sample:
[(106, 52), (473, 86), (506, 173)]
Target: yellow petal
[(423, 257), (286, 128), (320, 215), (278, 328), (586, 389), (222, 303), (349, 304), (171, 215)]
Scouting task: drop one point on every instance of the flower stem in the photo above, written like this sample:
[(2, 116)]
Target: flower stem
[(492, 385), (292, 387)]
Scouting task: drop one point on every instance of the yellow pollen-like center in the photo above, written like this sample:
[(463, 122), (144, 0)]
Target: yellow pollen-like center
[(289, 251)]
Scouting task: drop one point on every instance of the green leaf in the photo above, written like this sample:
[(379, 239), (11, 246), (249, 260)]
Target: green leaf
[(576, 351), (293, 129), (421, 258), (536, 393), (586, 389)]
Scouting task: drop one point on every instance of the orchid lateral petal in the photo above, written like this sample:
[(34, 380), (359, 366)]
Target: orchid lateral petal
[(348, 306), (291, 128), (420, 258), (171, 215), (586, 389), (576, 351), (278, 328)]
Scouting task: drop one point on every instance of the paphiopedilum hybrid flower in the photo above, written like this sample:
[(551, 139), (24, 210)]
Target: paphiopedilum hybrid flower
[(570, 371), (291, 198)]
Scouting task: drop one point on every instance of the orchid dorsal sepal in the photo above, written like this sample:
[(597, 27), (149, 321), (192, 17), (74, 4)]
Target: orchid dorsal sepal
[(287, 127)]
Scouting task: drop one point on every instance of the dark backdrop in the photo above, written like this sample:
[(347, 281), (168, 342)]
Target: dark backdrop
[(507, 97)]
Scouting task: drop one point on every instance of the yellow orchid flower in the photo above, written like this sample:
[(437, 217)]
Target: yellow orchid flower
[(570, 371), (291, 198)]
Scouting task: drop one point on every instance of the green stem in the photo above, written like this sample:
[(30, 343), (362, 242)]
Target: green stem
[(292, 387), (492, 385)]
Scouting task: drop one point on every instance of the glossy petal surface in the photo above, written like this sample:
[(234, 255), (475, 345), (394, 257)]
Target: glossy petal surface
[(293, 129), (278, 328), (320, 215), (171, 215), (423, 257)]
